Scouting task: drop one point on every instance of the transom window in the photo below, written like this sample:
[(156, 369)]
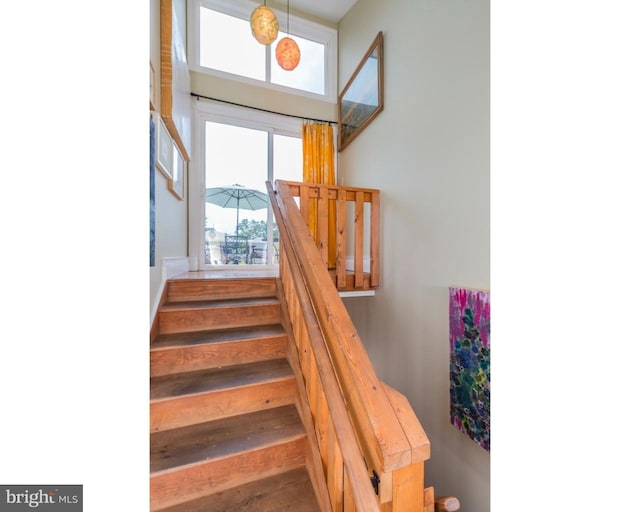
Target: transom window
[(220, 43)]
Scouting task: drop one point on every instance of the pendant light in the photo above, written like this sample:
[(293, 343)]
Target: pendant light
[(287, 51), (264, 24)]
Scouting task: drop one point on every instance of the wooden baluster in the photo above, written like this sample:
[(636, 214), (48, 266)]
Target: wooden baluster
[(312, 386), (341, 242), (408, 490), (358, 249), (304, 203), (429, 500), (335, 470), (298, 329), (305, 359), (374, 229), (321, 422), (296, 325), (284, 267), (385, 491), (323, 223)]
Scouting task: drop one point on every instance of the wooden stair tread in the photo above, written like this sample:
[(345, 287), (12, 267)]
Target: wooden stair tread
[(215, 336), (290, 491), (171, 386), (221, 438), (224, 303)]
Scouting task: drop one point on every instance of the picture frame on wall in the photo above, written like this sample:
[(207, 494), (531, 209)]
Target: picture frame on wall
[(175, 81), (362, 98), (176, 183), (164, 148)]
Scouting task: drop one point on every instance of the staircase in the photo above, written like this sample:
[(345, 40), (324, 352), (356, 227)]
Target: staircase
[(225, 433)]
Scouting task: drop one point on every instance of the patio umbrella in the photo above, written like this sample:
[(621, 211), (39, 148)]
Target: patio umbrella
[(238, 197)]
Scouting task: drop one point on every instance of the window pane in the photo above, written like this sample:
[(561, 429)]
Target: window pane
[(309, 74), (287, 165), (226, 44), (234, 155), (287, 158)]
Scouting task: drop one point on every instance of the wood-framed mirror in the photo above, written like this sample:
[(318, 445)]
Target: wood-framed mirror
[(361, 100)]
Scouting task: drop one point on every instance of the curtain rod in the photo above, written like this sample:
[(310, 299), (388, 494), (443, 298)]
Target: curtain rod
[(200, 96)]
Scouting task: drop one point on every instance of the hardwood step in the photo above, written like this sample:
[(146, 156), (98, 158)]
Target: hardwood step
[(180, 447), (182, 352), (192, 462), (182, 317), (204, 395), (186, 290), (291, 491)]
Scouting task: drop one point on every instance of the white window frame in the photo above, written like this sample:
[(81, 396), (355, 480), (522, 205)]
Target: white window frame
[(204, 111), (299, 27)]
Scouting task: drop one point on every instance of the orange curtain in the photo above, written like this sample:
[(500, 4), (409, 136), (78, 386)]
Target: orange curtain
[(318, 167)]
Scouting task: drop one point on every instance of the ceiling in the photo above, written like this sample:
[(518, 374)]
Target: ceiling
[(330, 10)]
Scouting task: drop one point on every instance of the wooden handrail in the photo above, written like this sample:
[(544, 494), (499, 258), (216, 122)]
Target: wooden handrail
[(337, 369), (341, 195), (354, 465)]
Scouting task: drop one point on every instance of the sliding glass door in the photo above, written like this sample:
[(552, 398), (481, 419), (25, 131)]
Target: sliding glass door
[(235, 195), (238, 155)]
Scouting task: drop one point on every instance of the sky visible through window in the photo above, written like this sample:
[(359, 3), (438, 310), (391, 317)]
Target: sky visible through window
[(226, 44), (309, 74), (238, 155)]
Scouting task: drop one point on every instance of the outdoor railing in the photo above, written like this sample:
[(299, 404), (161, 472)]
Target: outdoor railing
[(370, 444), (357, 225)]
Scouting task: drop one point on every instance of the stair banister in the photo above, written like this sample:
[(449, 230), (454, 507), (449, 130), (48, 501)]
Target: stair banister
[(385, 445), (355, 469)]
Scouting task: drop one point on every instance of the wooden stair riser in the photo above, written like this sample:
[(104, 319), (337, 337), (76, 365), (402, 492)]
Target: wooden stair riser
[(191, 320), (188, 290), (171, 360), (191, 409), (173, 487), (291, 491)]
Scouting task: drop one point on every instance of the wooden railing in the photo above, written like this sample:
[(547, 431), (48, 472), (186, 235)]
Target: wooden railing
[(363, 428), (353, 227)]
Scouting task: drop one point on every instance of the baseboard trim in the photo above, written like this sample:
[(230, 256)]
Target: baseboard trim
[(171, 267)]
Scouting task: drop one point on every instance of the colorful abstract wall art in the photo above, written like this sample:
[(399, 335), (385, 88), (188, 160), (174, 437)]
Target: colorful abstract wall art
[(469, 368)]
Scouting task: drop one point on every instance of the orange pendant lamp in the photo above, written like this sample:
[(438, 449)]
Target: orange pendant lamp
[(264, 24), (288, 51), (287, 54)]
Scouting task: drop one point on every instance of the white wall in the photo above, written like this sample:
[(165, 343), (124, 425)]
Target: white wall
[(428, 153), (251, 95), (171, 213)]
